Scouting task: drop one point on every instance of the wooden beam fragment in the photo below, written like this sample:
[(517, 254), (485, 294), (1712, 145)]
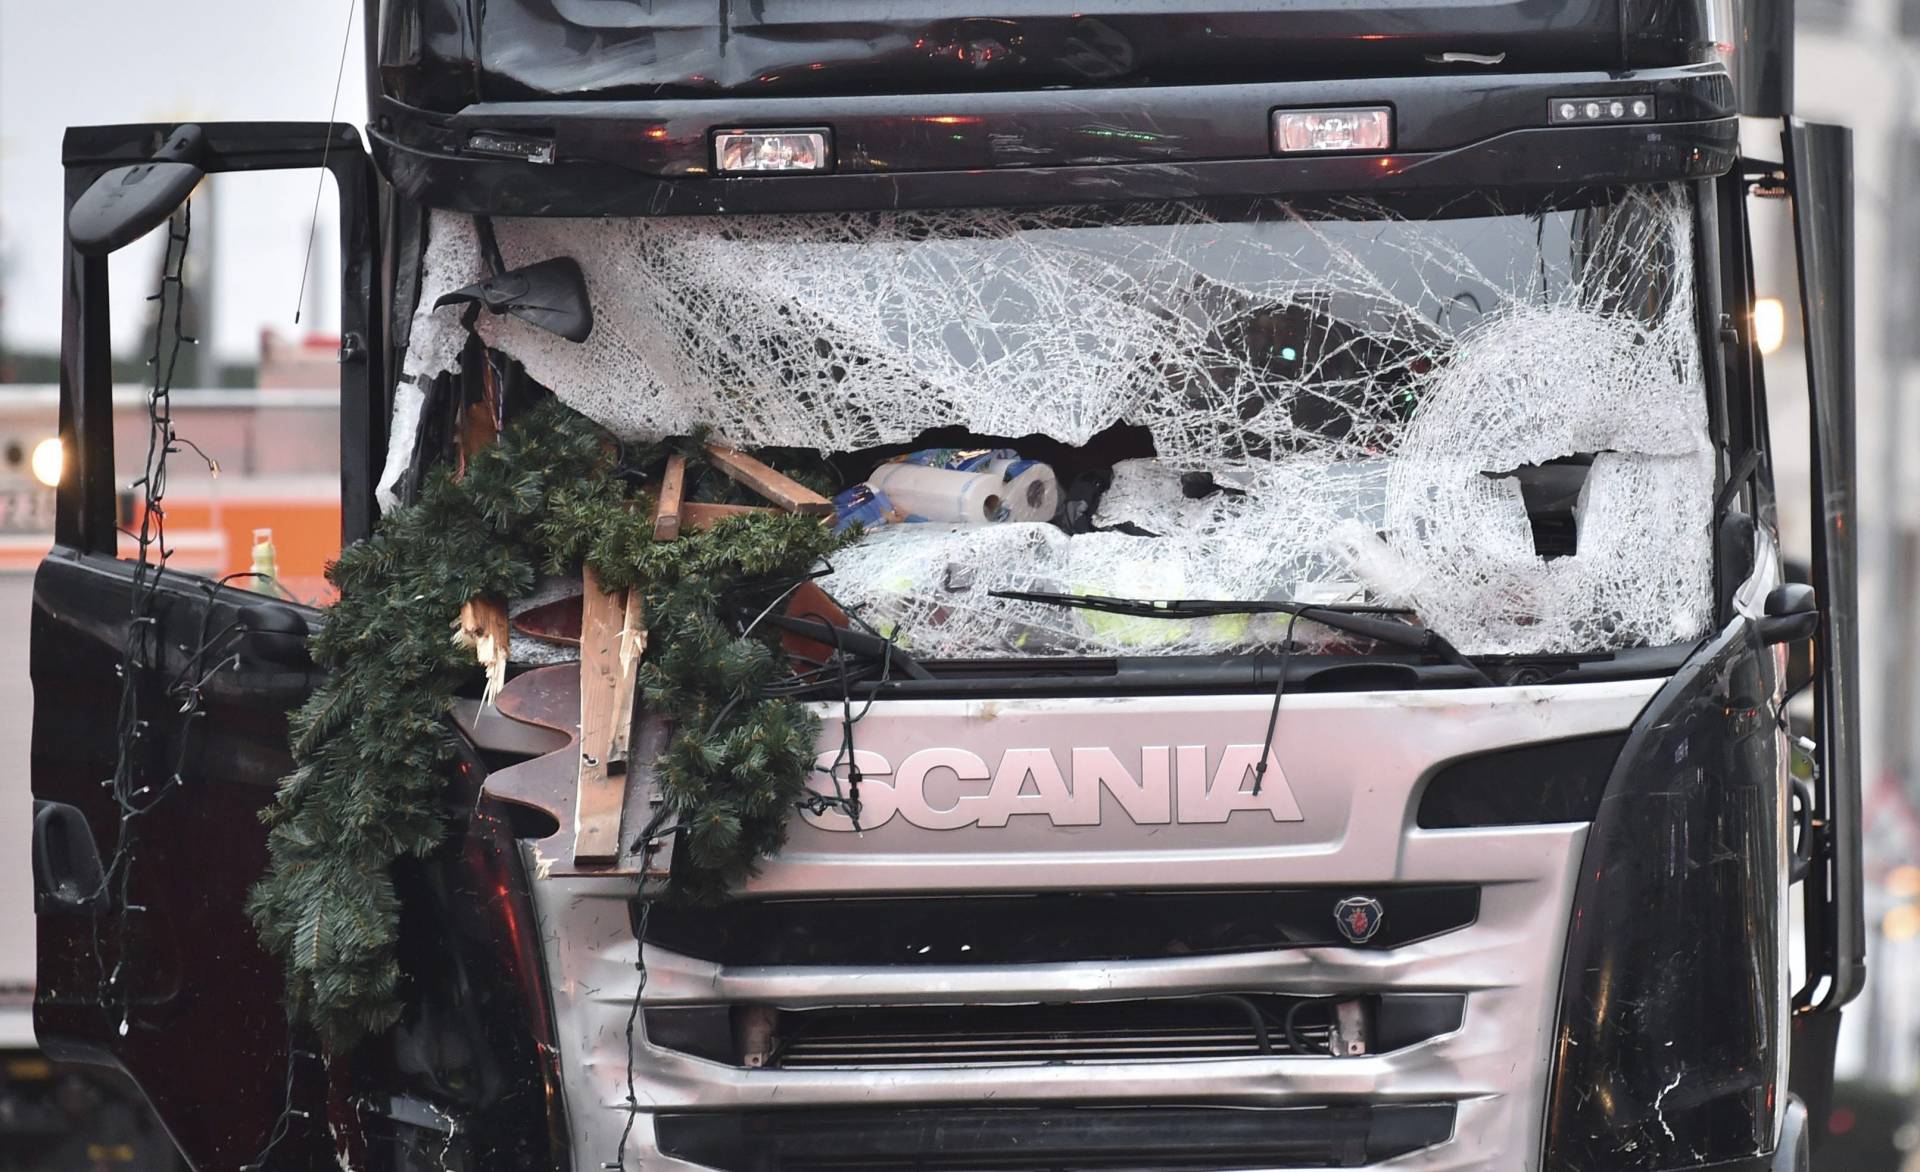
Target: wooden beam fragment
[(479, 423), (781, 489), (633, 644), (666, 518), (607, 666), (697, 516), (482, 625)]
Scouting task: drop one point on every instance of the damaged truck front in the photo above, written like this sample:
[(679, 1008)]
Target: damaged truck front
[(1260, 522)]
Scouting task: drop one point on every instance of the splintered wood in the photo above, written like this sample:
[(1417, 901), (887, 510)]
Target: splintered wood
[(777, 487), (633, 644), (482, 625), (479, 421), (612, 638)]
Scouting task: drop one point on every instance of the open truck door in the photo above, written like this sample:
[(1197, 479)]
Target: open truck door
[(1819, 174), (160, 696)]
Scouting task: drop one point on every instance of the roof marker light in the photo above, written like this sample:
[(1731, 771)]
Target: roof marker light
[(1359, 128), (749, 152)]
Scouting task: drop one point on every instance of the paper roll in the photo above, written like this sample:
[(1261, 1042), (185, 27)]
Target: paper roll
[(971, 498), (935, 494), (1030, 490)]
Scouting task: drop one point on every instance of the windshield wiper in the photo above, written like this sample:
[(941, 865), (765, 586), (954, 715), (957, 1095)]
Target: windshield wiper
[(1364, 621), (848, 641)]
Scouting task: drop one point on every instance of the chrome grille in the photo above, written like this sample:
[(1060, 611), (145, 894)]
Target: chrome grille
[(1014, 1035), (1163, 1029), (1012, 1049)]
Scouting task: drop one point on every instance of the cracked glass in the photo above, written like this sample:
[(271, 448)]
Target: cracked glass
[(1493, 415)]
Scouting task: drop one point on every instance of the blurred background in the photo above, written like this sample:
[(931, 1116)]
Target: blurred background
[(261, 269)]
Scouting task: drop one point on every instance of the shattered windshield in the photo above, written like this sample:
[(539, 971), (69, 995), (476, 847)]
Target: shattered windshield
[(1495, 416)]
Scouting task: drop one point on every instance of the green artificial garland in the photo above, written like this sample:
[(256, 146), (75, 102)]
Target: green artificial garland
[(371, 745)]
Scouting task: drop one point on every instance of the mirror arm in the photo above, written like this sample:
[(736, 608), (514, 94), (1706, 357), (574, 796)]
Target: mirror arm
[(1787, 628), (489, 246)]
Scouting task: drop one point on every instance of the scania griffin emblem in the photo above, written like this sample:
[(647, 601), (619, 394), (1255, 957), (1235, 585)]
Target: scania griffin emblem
[(1359, 917)]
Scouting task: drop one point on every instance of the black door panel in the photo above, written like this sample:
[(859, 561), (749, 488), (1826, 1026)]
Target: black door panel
[(174, 988)]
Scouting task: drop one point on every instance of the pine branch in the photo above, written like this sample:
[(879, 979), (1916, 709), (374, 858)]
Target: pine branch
[(370, 745)]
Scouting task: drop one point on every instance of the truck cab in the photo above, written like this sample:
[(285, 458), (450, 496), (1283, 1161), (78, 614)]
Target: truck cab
[(1307, 688)]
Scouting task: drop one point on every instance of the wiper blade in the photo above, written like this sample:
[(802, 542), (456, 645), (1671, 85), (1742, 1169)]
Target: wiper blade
[(852, 642), (1364, 621), (1355, 620)]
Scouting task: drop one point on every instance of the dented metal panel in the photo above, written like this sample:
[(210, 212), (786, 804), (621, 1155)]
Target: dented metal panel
[(1354, 764)]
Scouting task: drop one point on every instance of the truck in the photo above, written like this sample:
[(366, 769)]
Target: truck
[(1301, 681)]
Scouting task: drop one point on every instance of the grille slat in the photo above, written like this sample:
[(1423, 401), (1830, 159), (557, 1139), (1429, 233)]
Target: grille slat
[(1018, 1047), (1167, 1029), (1051, 1036), (990, 1053), (1053, 1139)]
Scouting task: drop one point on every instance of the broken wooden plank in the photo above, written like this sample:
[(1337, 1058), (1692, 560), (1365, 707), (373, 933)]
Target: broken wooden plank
[(696, 516), (482, 625), (666, 517), (604, 682), (781, 489), (633, 644), (479, 423)]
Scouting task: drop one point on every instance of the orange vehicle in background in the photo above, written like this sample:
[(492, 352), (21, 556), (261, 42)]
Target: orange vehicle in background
[(255, 493)]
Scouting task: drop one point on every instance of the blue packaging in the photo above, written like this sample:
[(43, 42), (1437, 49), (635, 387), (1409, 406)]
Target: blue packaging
[(866, 506)]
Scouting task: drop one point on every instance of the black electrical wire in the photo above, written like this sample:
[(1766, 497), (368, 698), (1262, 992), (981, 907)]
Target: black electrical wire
[(1273, 714), (144, 647), (1258, 1019), (283, 1123), (1293, 1037), (649, 839), (849, 802), (619, 1160), (1291, 1028)]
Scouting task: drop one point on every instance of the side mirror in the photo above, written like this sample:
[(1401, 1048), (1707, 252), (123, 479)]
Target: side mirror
[(1792, 614), (128, 202), (551, 294)]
